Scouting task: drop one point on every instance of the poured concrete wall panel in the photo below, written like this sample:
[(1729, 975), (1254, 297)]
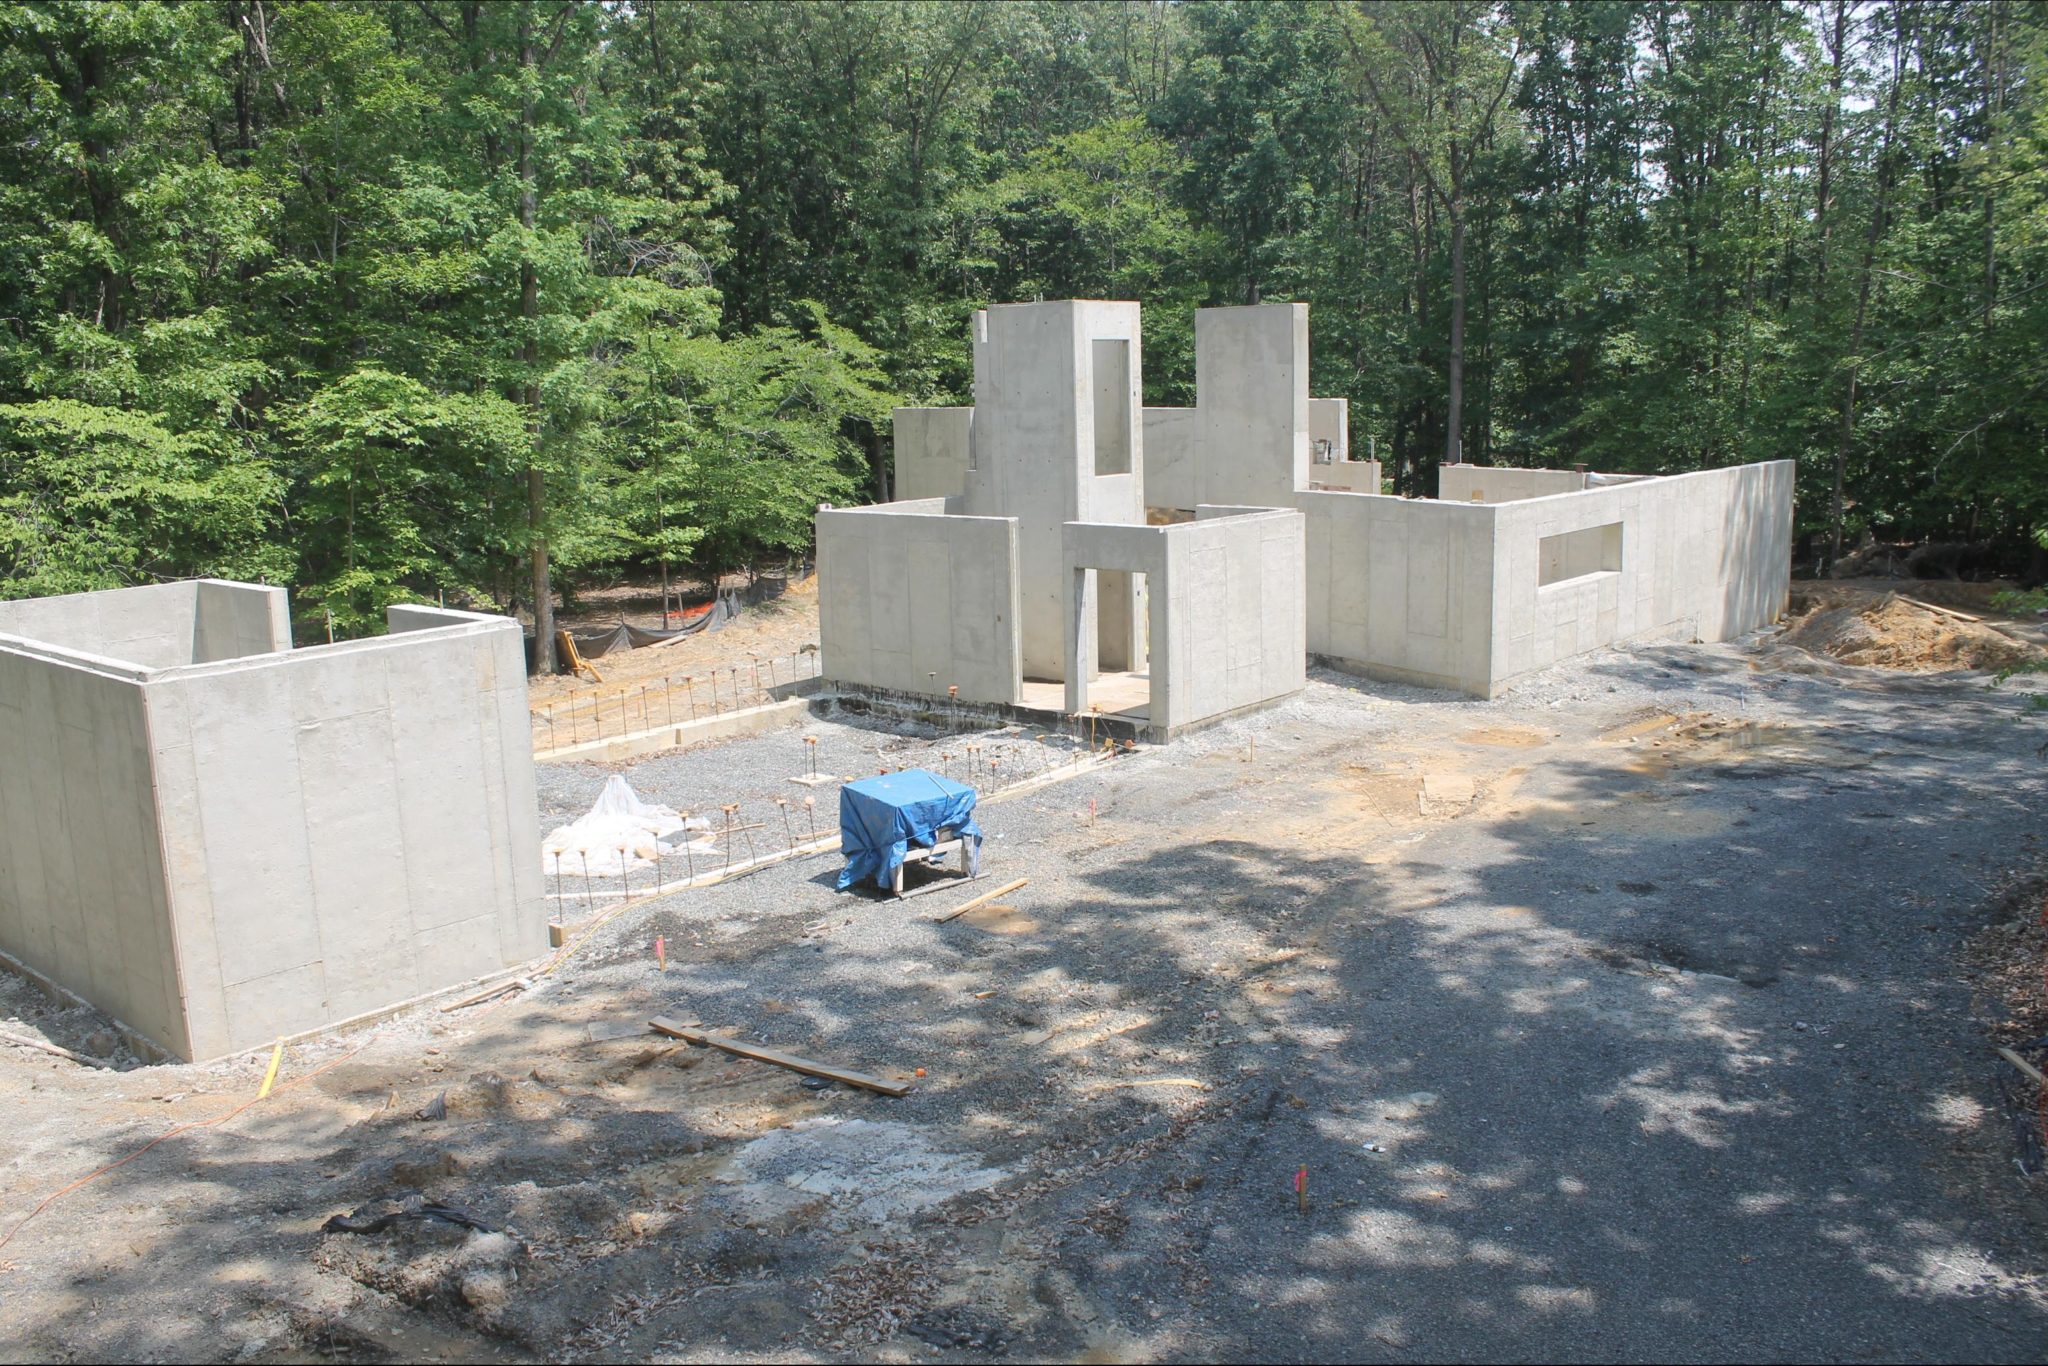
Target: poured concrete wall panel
[(1172, 457), (82, 895), (1702, 556), (1251, 387), (915, 600), (356, 827), (152, 626), (234, 620), (932, 451), (1329, 420), (223, 853), (1401, 589), (1347, 476), (1500, 484)]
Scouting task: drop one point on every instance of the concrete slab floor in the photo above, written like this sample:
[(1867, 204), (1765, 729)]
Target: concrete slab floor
[(1116, 692), (1616, 1019)]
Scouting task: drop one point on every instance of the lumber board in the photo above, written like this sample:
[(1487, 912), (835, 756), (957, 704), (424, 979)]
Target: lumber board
[(662, 1025), (964, 907), (2025, 1067)]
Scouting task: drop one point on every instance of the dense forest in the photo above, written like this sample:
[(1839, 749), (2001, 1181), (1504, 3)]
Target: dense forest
[(394, 300)]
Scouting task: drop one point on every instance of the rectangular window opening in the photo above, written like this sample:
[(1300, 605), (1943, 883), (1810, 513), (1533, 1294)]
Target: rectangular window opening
[(1110, 372), (1576, 554)]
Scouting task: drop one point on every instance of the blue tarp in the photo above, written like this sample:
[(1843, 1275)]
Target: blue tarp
[(880, 818)]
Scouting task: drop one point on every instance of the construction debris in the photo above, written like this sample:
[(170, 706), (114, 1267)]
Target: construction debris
[(795, 1064)]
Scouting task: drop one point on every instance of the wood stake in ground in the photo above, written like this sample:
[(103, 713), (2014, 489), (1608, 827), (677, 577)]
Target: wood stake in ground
[(964, 907), (795, 1064)]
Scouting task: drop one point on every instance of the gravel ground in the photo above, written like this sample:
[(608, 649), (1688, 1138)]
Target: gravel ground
[(1618, 1018)]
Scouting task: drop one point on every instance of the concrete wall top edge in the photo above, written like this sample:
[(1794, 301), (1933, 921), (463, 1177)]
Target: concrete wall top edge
[(1530, 506), (1647, 482), (84, 661), (421, 639), (916, 508), (398, 612)]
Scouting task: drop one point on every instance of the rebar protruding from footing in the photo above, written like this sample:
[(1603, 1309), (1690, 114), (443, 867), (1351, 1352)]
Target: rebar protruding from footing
[(787, 828)]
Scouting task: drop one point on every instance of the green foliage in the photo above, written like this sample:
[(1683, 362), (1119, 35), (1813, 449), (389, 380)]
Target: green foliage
[(384, 298)]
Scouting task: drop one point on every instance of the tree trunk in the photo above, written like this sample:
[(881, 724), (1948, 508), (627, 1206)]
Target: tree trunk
[(1870, 241), (1454, 421), (529, 355)]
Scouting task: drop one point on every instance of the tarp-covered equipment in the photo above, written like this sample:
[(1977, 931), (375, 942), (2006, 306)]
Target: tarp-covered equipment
[(881, 818)]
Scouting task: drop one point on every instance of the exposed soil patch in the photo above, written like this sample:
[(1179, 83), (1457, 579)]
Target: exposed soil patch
[(1888, 629)]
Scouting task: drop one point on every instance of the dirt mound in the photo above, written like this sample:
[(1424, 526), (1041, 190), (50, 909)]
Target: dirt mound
[(1889, 631)]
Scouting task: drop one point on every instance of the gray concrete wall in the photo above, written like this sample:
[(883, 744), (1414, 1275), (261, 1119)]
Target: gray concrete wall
[(1224, 636), (915, 600), (1251, 389), (82, 895), (1500, 484), (1703, 556), (1349, 476), (152, 626), (1172, 457), (1037, 394), (234, 620), (347, 826), (1402, 589), (1329, 419), (932, 449)]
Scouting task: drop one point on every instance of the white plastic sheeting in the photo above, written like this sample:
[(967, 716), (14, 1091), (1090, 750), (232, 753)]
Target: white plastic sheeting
[(620, 833)]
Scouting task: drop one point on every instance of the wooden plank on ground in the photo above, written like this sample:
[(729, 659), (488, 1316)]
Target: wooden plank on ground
[(661, 1025), (964, 907)]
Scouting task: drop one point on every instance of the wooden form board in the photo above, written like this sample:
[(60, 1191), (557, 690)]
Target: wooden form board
[(661, 1025)]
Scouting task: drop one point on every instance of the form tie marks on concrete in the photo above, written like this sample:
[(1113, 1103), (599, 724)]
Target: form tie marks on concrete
[(221, 840), (1059, 549)]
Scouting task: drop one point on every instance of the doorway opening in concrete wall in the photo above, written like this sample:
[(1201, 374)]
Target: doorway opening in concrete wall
[(1114, 667)]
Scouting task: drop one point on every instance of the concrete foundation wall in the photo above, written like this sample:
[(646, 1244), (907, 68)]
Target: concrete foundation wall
[(223, 853), (348, 826), (1349, 476), (1498, 484), (1222, 636), (1043, 384), (234, 620), (82, 896), (1329, 420), (1401, 589), (915, 600), (932, 452), (1251, 389), (152, 626), (1172, 458), (1703, 556)]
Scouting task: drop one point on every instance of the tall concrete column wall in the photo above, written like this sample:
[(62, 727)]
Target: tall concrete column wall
[(1251, 389), (1035, 443), (914, 600), (1704, 556), (82, 895)]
